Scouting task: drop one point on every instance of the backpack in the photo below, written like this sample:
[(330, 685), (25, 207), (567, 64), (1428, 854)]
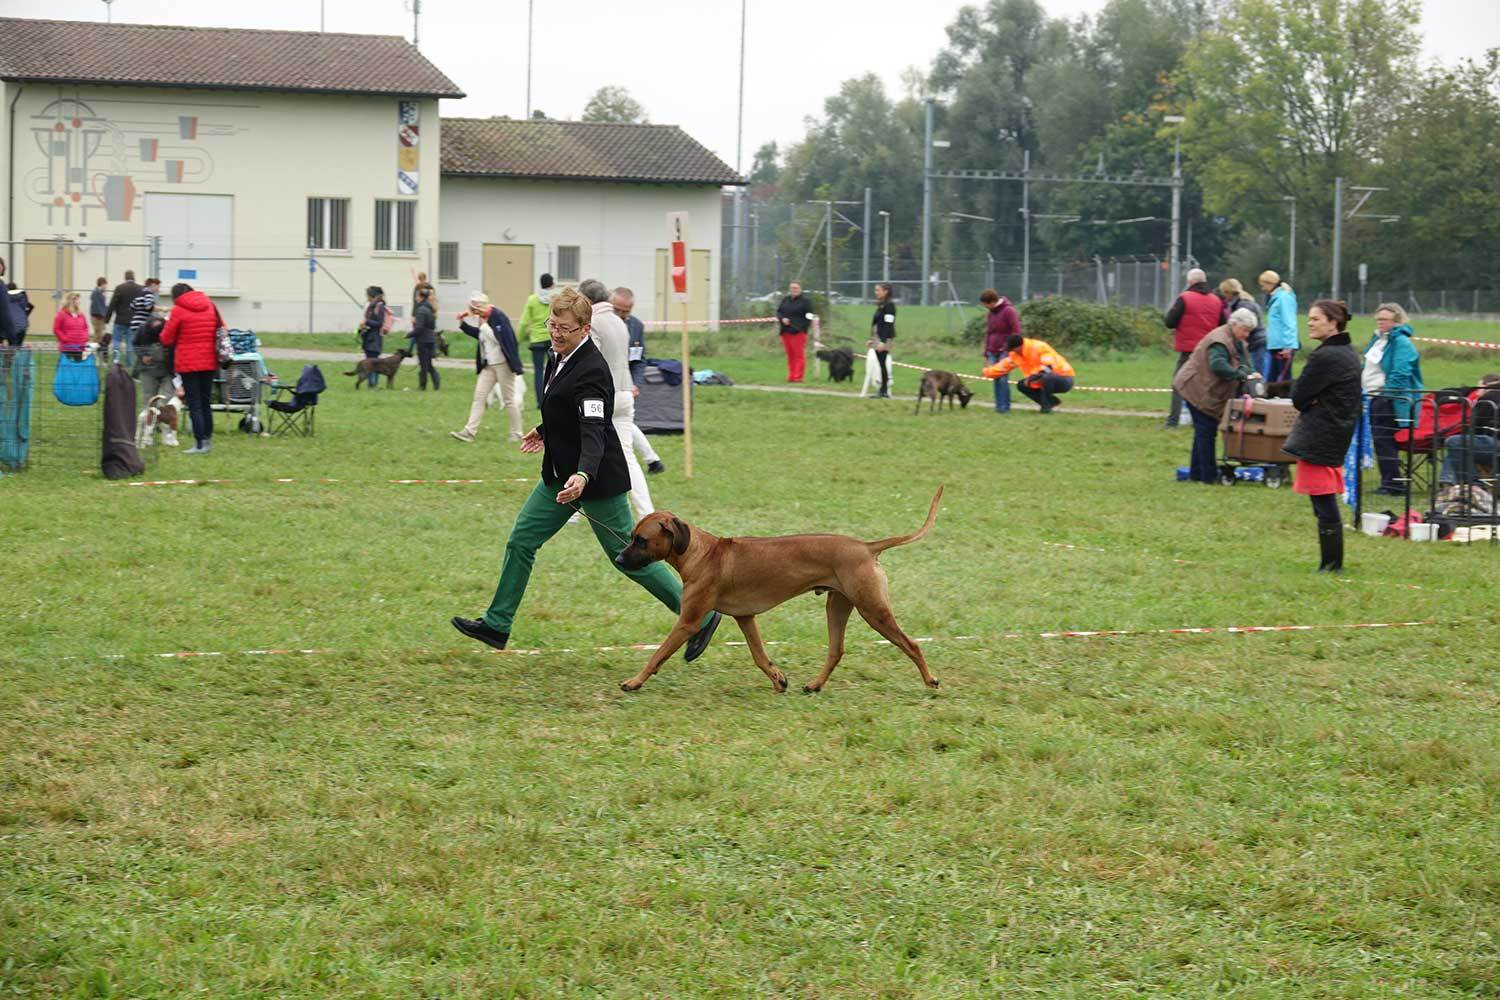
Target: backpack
[(389, 323)]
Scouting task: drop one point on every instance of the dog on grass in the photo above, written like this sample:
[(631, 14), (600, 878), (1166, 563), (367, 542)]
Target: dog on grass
[(162, 412), (386, 366), (743, 577), (840, 363), (938, 384)]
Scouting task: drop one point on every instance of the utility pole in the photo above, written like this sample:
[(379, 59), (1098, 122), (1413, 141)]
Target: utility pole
[(864, 269), (1175, 267), (828, 251), (927, 205), (1291, 250), (885, 251), (416, 23), (1026, 227), (530, 10), (737, 243), (109, 11), (1338, 233)]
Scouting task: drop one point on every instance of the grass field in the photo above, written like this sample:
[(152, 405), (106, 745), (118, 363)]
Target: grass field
[(1290, 814)]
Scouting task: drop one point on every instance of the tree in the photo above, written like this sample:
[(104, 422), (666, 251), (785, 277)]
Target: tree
[(614, 104), (765, 166), (1440, 164), (1292, 94)]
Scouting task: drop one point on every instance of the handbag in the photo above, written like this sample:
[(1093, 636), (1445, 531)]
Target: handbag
[(76, 383), (223, 346)]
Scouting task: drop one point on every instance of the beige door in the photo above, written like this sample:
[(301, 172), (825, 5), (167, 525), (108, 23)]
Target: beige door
[(48, 276), (508, 276), (700, 287)]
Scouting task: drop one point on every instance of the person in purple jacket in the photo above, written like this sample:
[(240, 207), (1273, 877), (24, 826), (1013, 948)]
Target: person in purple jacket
[(1001, 322)]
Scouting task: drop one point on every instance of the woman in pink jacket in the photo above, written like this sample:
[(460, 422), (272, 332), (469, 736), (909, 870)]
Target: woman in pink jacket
[(71, 328)]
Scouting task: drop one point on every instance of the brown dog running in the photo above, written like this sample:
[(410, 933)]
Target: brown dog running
[(742, 577), (938, 383), (386, 366)]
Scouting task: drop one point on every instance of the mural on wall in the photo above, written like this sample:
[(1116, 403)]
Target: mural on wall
[(408, 139), (93, 166)]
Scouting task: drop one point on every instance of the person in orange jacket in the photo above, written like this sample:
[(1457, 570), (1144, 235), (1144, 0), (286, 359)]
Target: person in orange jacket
[(1047, 374)]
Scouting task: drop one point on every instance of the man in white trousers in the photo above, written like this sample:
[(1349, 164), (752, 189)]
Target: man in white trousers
[(609, 333), (623, 299)]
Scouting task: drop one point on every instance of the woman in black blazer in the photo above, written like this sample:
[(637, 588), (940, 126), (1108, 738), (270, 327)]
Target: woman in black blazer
[(583, 467)]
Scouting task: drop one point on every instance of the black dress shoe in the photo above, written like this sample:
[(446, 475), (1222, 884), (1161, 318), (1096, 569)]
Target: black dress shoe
[(475, 628), (701, 638), (655, 468)]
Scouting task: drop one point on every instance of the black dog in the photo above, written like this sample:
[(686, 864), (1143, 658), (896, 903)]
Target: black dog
[(937, 383), (840, 363)]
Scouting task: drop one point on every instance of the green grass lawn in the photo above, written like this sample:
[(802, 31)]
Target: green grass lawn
[(1298, 814)]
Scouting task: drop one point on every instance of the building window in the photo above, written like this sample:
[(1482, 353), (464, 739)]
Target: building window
[(567, 263), (447, 261), (396, 225), (328, 223)]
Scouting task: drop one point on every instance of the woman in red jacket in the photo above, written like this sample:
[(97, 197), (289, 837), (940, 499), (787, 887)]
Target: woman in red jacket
[(71, 328), (192, 330)]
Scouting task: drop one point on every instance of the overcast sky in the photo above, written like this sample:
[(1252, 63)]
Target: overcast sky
[(680, 58)]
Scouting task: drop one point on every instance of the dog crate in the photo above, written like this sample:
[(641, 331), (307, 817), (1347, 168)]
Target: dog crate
[(52, 410)]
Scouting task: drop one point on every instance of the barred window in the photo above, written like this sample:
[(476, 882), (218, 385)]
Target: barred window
[(567, 263), (328, 223), (447, 261), (395, 225)]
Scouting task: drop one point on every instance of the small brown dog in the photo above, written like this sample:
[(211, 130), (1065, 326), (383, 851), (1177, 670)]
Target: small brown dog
[(742, 577), (938, 383), (386, 366)]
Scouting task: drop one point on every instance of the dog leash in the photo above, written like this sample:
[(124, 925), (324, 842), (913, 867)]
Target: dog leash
[(620, 538)]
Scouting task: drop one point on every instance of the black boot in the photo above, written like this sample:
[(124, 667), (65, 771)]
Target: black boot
[(1331, 545)]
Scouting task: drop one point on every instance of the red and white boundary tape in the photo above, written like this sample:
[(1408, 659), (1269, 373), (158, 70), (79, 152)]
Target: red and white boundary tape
[(397, 482), (1481, 344), (926, 640), (1076, 388)]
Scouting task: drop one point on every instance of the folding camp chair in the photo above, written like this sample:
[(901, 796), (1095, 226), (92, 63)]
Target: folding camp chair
[(295, 415)]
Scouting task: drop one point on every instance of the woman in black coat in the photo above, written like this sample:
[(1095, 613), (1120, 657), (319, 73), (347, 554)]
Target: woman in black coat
[(1327, 397)]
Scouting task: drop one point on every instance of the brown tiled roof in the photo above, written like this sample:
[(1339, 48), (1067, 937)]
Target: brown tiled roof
[(531, 148), (224, 58)]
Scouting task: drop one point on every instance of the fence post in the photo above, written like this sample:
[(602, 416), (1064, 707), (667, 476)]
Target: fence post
[(57, 274), (155, 262)]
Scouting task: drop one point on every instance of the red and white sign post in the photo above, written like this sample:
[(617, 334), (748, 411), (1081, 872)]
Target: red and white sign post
[(677, 264)]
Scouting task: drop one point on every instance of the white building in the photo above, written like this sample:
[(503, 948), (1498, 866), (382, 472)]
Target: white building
[(217, 157), (226, 157), (576, 200)]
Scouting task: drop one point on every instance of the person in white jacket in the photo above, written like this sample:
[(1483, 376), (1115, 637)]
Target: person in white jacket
[(613, 338)]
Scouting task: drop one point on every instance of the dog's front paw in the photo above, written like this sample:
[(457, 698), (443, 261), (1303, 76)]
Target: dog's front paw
[(934, 683), (779, 683), (630, 685), (809, 689)]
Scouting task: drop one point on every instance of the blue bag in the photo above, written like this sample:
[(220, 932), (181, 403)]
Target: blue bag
[(76, 382)]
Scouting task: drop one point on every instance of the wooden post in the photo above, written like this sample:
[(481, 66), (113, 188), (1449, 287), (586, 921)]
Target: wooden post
[(687, 400)]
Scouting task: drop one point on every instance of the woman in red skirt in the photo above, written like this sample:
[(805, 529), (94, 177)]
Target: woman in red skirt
[(1327, 398)]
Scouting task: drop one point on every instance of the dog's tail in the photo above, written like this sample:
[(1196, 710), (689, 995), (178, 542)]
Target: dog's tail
[(354, 372), (890, 543)]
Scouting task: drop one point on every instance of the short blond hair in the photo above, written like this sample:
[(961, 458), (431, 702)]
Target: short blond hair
[(1394, 308), (1269, 278), (568, 302), (71, 302), (1232, 287)]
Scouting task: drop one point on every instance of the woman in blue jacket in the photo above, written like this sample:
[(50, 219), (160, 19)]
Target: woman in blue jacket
[(1392, 378), (1281, 327)]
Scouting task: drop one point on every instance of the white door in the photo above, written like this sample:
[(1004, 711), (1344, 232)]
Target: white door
[(197, 238)]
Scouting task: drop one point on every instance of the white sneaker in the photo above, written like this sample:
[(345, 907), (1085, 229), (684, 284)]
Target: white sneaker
[(461, 436), (169, 438)]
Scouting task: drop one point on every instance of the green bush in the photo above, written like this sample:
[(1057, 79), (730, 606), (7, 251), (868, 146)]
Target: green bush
[(1083, 329), (1090, 330)]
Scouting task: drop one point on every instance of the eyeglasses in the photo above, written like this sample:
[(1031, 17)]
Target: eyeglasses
[(555, 327)]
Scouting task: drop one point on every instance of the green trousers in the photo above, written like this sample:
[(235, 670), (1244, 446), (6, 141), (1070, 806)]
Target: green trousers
[(540, 518)]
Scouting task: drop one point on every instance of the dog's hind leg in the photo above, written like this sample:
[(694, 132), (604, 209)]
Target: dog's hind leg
[(839, 608), (758, 652), (874, 605)]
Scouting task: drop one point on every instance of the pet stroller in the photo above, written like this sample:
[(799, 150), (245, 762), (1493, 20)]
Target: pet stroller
[(295, 416), (238, 385)]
